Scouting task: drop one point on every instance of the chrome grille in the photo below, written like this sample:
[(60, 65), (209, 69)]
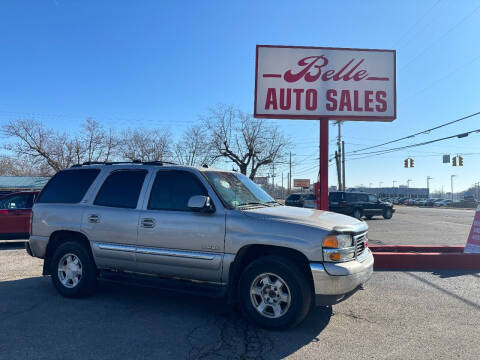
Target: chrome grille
[(359, 243)]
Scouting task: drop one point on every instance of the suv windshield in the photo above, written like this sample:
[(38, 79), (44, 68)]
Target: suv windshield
[(237, 190)]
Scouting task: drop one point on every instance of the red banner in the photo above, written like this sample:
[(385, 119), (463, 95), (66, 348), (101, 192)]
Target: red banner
[(473, 242)]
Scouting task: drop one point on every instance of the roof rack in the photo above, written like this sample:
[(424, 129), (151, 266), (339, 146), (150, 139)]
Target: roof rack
[(156, 162)]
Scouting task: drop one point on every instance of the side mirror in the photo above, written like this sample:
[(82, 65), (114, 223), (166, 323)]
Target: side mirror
[(200, 203)]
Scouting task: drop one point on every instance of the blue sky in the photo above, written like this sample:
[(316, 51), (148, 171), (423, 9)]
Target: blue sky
[(164, 63)]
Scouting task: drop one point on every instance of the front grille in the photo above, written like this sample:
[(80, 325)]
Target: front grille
[(359, 243)]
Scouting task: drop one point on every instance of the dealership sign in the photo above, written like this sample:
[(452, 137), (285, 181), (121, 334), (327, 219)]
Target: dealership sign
[(295, 82), (303, 183)]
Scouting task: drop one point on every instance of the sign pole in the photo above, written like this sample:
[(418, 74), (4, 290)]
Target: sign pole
[(322, 199)]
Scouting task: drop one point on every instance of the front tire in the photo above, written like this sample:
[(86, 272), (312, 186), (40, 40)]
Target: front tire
[(274, 293), (73, 270)]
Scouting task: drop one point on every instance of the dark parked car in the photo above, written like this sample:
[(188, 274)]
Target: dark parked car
[(297, 200), (358, 204), (15, 212)]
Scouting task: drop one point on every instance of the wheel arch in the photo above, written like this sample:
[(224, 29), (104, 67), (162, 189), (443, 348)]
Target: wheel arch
[(59, 237), (249, 253)]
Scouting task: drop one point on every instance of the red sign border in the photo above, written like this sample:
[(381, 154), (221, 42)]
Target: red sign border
[(331, 117)]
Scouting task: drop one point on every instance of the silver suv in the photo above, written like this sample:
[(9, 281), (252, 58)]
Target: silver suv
[(198, 229)]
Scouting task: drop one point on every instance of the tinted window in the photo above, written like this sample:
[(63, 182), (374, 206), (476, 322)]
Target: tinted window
[(21, 201), (294, 197), (68, 186), (335, 196), (351, 197), (310, 197), (121, 189), (172, 190)]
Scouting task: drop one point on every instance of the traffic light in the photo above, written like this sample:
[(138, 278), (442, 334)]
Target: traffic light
[(460, 161), (454, 161), (412, 163), (405, 163)]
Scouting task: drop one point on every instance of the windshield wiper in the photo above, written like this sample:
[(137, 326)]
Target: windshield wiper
[(252, 203)]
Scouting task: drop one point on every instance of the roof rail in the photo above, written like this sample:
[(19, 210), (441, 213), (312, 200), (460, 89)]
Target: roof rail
[(156, 162)]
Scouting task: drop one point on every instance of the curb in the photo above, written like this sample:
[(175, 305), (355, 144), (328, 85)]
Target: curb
[(423, 257)]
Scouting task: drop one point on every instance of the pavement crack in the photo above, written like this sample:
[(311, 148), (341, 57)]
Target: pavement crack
[(354, 316), (236, 339), (9, 314)]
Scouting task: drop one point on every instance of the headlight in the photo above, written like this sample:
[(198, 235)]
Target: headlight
[(338, 248), (338, 241)]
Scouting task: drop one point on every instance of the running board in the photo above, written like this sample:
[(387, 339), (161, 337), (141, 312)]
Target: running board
[(170, 284)]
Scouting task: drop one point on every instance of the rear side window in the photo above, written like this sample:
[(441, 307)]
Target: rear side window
[(172, 190), (121, 189), (352, 197), (335, 196), (68, 186)]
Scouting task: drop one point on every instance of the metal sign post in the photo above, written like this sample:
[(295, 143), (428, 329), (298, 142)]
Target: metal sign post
[(322, 196)]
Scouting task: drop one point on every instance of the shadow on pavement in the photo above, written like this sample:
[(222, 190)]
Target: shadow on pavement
[(445, 291), (128, 322), (455, 273), (12, 245)]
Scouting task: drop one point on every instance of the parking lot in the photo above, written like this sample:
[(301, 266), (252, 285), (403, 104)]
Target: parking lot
[(422, 226), (399, 315)]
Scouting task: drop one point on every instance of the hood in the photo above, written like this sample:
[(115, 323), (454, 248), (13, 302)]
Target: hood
[(318, 218)]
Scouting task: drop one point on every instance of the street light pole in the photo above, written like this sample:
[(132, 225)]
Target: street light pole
[(428, 184), (451, 184), (394, 181)]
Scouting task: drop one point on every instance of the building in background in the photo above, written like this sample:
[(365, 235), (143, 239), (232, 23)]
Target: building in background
[(9, 184), (402, 191)]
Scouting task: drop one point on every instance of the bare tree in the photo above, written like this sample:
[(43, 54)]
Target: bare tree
[(193, 148), (34, 141), (248, 142), (41, 146), (146, 145)]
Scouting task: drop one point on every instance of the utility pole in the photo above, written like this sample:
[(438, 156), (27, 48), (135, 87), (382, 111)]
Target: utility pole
[(451, 184), (394, 181), (339, 170), (283, 195), (273, 179), (344, 186), (408, 182), (290, 176)]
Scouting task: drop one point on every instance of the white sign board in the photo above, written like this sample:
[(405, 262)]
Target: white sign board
[(294, 82), (303, 183)]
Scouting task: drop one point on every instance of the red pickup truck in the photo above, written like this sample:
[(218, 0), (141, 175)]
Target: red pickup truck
[(15, 212)]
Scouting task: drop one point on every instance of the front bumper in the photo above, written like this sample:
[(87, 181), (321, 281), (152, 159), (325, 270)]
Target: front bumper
[(334, 282)]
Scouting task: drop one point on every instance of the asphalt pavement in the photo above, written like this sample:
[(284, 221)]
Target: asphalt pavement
[(422, 226), (399, 315)]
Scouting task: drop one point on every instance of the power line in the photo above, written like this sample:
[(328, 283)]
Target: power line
[(465, 18), (417, 22), (385, 151), (418, 133)]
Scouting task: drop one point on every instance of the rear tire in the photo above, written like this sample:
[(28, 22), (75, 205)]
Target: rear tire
[(274, 293), (369, 217), (387, 214), (74, 273)]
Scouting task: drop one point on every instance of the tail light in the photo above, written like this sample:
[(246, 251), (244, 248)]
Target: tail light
[(30, 224), (343, 204)]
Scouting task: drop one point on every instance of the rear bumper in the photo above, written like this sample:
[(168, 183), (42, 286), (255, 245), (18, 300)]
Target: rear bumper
[(37, 246), (334, 282)]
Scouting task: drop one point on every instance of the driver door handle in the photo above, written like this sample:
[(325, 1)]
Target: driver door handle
[(94, 219), (148, 223)]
